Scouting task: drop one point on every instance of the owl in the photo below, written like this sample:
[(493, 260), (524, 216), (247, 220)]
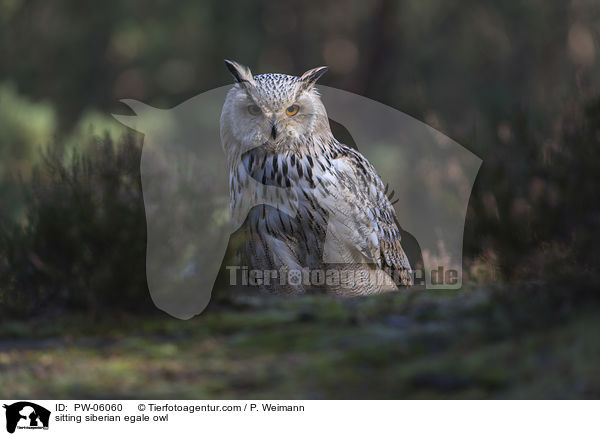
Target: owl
[(314, 215)]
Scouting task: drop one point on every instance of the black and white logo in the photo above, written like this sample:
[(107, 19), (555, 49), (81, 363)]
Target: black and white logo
[(26, 415)]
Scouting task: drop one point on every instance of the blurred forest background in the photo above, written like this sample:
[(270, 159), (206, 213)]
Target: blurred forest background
[(517, 83)]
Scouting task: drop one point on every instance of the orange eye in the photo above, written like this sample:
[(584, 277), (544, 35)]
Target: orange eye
[(292, 110), (254, 110)]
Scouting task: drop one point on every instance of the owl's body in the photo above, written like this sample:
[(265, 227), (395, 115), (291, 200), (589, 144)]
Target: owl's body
[(305, 202)]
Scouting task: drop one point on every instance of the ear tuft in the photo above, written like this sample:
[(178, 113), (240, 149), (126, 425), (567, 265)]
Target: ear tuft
[(240, 73), (309, 78)]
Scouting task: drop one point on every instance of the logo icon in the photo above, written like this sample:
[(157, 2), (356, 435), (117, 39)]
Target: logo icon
[(26, 415)]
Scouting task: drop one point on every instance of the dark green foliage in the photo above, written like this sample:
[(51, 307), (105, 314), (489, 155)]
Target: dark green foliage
[(580, 183), (82, 245), (535, 200)]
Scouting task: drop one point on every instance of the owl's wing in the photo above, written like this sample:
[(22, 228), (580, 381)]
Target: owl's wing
[(361, 215)]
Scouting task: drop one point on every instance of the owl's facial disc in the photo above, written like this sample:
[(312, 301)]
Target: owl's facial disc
[(280, 122), (274, 112)]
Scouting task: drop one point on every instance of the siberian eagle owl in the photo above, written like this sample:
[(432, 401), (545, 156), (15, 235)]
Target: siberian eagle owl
[(338, 220)]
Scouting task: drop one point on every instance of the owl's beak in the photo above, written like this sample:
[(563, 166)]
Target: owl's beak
[(274, 131)]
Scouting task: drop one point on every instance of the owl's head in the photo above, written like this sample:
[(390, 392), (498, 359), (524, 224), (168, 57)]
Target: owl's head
[(271, 110)]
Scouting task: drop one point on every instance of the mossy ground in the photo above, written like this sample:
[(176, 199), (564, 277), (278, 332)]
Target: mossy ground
[(528, 340)]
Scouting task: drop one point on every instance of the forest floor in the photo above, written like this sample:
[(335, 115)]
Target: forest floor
[(526, 340)]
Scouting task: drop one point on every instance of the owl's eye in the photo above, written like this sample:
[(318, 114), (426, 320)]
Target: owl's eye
[(254, 110), (292, 110)]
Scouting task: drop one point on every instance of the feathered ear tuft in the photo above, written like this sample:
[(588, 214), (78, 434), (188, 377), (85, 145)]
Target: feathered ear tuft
[(240, 73), (309, 78)]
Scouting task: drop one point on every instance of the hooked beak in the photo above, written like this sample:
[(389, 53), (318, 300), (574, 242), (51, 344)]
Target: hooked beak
[(274, 131)]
